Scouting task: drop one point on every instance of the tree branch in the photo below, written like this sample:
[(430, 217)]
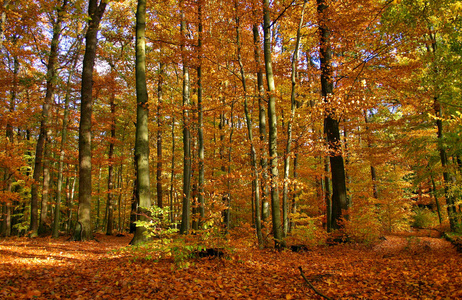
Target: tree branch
[(311, 286)]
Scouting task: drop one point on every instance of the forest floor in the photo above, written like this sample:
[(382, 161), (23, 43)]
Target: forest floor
[(401, 267)]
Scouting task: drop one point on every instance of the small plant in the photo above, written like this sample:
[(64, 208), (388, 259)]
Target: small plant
[(156, 222)]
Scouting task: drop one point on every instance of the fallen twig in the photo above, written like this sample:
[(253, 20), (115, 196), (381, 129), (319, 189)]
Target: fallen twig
[(311, 286)]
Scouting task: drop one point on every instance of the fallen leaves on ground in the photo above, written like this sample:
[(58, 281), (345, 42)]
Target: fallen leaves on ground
[(397, 268)]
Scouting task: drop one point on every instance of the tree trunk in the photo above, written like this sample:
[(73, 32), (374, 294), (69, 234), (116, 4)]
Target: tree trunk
[(83, 226), (273, 134), (375, 193), (110, 177), (186, 213), (253, 153), (44, 126), (285, 193), (8, 177), (57, 216), (201, 154), (142, 133), (3, 21), (159, 167), (331, 124), (262, 127), (172, 171)]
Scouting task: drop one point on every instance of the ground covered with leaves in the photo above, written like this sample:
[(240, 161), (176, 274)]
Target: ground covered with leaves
[(399, 267)]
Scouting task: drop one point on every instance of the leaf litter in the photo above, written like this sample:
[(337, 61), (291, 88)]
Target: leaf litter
[(399, 267)]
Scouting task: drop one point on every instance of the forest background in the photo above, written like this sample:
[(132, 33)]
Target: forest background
[(289, 118)]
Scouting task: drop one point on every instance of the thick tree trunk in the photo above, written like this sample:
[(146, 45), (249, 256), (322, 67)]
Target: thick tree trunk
[(186, 213), (331, 124), (142, 133), (273, 134), (83, 226)]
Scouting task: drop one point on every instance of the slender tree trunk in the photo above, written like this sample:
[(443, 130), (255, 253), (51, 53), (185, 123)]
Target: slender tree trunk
[(327, 195), (45, 187), (293, 105), (253, 152), (331, 124), (186, 213), (262, 126), (438, 207), (375, 193), (159, 167), (8, 177), (44, 122), (273, 134), (120, 189), (57, 216), (230, 149), (142, 133), (172, 171), (110, 177), (201, 154), (98, 203), (82, 231)]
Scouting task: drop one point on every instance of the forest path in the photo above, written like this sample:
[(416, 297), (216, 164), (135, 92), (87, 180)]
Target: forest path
[(414, 241), (400, 267)]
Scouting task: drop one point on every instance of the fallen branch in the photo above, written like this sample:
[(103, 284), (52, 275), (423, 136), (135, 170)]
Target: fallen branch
[(311, 286)]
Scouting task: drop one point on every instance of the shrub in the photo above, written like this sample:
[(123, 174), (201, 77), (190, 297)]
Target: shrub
[(424, 218), (363, 225)]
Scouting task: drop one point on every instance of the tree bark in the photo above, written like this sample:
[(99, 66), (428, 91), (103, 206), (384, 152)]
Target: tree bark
[(159, 167), (262, 126), (57, 216), (110, 177), (44, 122), (253, 152), (293, 105), (201, 150), (273, 134), (331, 124), (83, 226), (186, 213), (142, 133)]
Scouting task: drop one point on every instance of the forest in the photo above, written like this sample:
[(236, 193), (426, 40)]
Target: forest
[(203, 127)]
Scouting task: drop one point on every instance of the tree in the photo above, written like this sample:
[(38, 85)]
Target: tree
[(44, 123), (331, 122), (83, 228), (253, 152), (142, 134), (273, 134), (186, 214)]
